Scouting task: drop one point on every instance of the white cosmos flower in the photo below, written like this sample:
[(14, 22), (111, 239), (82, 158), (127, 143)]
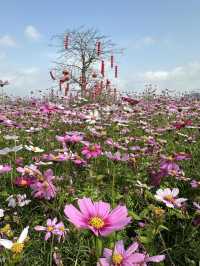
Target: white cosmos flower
[(32, 148), (93, 116), (1, 213), (169, 197), (15, 247)]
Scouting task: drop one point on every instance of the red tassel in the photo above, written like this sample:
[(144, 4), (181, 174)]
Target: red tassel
[(66, 42), (116, 71), (52, 76), (112, 61), (98, 48), (65, 72), (102, 68), (64, 78), (107, 84)]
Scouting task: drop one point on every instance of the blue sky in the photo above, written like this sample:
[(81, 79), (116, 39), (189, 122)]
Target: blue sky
[(161, 38)]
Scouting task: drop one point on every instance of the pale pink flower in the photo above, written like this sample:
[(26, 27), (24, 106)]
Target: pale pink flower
[(169, 197), (5, 168), (44, 188), (52, 228)]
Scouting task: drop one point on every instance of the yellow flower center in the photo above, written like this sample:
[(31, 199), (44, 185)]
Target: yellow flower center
[(50, 228), (45, 184), (17, 247), (96, 222), (62, 228), (169, 198), (117, 259), (170, 158)]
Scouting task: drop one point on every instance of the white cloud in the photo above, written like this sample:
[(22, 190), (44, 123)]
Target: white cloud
[(7, 41), (178, 79), (148, 40), (32, 33), (24, 80)]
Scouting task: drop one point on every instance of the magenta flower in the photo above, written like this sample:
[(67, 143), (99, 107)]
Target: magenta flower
[(97, 216), (168, 164), (91, 151), (120, 256), (44, 188), (23, 181), (5, 168), (52, 228)]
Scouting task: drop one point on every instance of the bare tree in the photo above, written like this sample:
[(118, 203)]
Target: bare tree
[(79, 53)]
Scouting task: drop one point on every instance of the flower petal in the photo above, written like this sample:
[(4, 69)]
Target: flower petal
[(23, 235)]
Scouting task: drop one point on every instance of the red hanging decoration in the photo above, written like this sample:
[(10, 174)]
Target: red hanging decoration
[(102, 68), (52, 75), (98, 48), (107, 84), (116, 71), (101, 87), (112, 61), (65, 72), (64, 78), (66, 42), (94, 75)]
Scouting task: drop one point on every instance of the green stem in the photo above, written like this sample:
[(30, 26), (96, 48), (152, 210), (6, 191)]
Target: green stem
[(164, 245), (51, 252)]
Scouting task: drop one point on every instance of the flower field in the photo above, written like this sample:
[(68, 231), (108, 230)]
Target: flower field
[(93, 183)]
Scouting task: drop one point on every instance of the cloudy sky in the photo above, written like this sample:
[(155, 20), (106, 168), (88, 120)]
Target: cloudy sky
[(161, 38)]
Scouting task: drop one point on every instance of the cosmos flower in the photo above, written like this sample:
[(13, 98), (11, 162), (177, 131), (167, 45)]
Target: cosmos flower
[(18, 246), (97, 216), (117, 156), (18, 200), (23, 181), (157, 258), (33, 149), (44, 188), (1, 213), (120, 256), (52, 228), (169, 197), (5, 168), (91, 151), (195, 184)]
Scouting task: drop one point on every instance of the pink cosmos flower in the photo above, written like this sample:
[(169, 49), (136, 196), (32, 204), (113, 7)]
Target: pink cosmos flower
[(195, 184), (120, 256), (5, 168), (117, 156), (92, 151), (44, 188), (147, 259), (169, 197), (52, 228), (97, 216), (61, 157), (169, 163), (75, 158), (23, 181)]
